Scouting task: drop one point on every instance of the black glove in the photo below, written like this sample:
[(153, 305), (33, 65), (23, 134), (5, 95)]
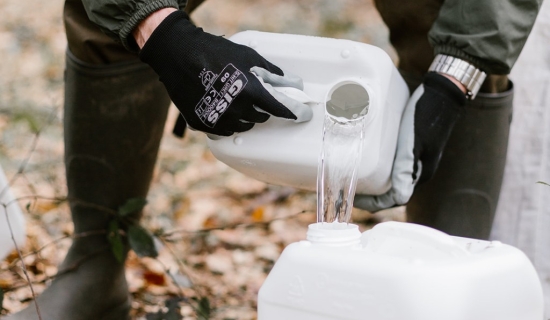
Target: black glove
[(208, 77), (427, 123), (437, 111)]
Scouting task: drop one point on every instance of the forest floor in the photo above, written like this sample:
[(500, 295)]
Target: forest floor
[(219, 232)]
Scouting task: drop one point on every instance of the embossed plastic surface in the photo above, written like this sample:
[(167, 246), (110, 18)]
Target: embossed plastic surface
[(399, 271), (286, 153)]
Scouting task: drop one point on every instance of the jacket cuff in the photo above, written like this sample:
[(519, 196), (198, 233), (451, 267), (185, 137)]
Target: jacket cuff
[(125, 33), (455, 52)]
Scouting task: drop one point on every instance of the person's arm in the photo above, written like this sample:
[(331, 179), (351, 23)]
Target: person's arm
[(489, 34), (220, 87), (459, 85), (146, 27), (487, 37), (119, 18)]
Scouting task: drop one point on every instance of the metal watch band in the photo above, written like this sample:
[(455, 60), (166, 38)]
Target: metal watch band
[(463, 71)]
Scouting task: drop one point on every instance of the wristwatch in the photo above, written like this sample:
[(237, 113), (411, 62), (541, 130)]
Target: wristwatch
[(463, 71)]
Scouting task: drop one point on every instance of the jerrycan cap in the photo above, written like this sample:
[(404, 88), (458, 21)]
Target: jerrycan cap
[(347, 100), (334, 234)]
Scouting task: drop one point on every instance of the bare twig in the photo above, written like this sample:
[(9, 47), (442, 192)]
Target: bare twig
[(74, 236), (25, 162), (20, 171), (67, 199), (184, 269), (73, 267), (22, 263), (182, 266), (168, 235), (167, 271)]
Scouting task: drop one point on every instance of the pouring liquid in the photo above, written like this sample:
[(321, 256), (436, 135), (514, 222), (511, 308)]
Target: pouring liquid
[(343, 133)]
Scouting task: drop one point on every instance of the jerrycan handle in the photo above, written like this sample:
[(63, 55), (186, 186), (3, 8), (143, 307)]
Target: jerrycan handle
[(410, 240), (280, 93)]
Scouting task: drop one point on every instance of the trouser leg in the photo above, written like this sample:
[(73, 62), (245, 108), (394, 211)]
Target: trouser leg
[(192, 5), (87, 42), (409, 22)]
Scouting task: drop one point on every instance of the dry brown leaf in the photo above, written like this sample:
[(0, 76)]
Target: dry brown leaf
[(154, 278), (258, 214), (44, 206), (210, 222), (6, 281), (219, 261), (268, 251)]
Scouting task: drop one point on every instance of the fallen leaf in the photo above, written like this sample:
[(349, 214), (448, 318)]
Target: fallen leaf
[(44, 206), (210, 222), (153, 278), (258, 214), (219, 261), (268, 251)]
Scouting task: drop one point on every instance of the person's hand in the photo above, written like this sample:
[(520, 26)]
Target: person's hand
[(218, 86), (427, 122)]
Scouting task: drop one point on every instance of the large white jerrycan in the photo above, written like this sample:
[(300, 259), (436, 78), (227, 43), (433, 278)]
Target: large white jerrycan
[(282, 152), (399, 271), (9, 207)]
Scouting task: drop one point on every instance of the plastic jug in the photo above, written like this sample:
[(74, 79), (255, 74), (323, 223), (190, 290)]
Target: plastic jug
[(399, 271), (9, 205), (282, 152)]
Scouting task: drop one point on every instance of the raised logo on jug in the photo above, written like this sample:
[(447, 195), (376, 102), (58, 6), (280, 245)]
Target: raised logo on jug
[(296, 290), (221, 90)]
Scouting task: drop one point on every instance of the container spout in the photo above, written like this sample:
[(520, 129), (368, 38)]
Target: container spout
[(335, 234)]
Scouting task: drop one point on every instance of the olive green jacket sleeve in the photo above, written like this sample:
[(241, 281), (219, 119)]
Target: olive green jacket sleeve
[(488, 33), (117, 18)]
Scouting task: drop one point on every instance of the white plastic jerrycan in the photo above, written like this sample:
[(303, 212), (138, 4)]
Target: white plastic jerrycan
[(286, 153), (9, 208), (399, 271)]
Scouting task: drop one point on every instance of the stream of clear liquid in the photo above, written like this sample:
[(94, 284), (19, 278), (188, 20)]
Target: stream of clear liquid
[(343, 133)]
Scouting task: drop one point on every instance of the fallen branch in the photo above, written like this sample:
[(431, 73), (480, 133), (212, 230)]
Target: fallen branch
[(70, 268), (168, 235), (74, 236), (22, 263)]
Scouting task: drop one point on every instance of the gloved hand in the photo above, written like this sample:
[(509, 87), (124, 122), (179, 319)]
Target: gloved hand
[(209, 79), (427, 122)]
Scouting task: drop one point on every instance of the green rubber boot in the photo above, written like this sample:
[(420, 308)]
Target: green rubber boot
[(462, 196), (114, 121)]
